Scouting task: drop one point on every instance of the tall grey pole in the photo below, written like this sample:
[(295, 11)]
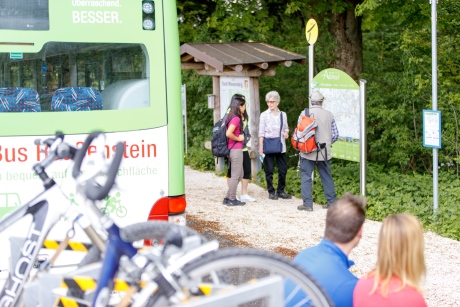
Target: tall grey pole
[(362, 137), (311, 50), (434, 69), (311, 56), (184, 114)]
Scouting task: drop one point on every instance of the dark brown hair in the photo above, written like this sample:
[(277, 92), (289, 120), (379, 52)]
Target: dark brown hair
[(237, 101), (344, 218)]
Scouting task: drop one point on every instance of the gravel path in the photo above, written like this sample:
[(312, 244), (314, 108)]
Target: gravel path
[(278, 226)]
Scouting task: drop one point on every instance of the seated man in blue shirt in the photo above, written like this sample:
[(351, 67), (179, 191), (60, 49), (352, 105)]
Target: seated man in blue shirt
[(328, 261)]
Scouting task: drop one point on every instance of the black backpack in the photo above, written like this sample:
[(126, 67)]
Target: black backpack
[(219, 140)]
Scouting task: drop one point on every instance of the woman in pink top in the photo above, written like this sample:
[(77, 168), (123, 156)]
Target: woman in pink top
[(235, 138), (398, 275)]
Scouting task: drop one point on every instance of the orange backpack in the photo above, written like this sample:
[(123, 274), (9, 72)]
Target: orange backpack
[(304, 136)]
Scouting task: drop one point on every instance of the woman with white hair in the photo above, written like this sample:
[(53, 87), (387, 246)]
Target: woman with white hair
[(273, 131)]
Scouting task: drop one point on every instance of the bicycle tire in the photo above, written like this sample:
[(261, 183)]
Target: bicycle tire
[(226, 263), (121, 211), (142, 231)]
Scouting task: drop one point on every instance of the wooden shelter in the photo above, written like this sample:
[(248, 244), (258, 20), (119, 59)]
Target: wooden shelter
[(240, 59)]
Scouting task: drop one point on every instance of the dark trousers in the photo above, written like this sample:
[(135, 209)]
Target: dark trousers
[(324, 169), (269, 162)]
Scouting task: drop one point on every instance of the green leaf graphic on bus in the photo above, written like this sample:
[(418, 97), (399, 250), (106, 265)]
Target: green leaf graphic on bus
[(113, 206), (8, 203)]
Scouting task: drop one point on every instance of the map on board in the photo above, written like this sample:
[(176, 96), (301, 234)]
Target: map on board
[(342, 99)]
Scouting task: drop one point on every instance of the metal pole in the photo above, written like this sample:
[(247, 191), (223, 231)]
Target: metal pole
[(434, 68), (311, 56), (311, 50), (362, 137), (184, 114)]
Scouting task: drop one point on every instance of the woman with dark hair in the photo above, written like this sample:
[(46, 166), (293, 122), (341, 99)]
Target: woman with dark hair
[(235, 144), (246, 159)]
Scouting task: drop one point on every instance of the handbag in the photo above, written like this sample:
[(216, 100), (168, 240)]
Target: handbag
[(274, 145)]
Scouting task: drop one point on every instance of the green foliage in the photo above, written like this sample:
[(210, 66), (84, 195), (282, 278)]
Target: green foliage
[(199, 158), (397, 59), (397, 68), (390, 192)]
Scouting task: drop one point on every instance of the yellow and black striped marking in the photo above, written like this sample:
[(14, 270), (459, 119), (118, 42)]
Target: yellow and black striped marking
[(66, 302), (78, 285), (73, 245)]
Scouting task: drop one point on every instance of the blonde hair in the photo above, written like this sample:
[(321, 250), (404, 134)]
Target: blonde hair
[(400, 254)]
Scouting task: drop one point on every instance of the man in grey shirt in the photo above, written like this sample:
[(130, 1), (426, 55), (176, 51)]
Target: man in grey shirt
[(326, 134)]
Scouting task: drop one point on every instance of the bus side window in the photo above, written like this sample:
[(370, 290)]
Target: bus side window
[(76, 99), (19, 99)]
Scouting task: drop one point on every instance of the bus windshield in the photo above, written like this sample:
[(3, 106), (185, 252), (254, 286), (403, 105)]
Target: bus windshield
[(24, 15)]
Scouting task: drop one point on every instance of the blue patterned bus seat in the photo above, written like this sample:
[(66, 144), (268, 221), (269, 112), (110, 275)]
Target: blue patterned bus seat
[(76, 99), (19, 99)]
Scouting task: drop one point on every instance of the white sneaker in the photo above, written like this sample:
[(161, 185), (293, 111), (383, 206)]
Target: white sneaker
[(246, 197)]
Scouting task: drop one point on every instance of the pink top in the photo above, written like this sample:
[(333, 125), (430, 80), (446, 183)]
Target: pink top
[(231, 143), (405, 297)]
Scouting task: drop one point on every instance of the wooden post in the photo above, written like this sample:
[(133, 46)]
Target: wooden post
[(219, 162), (254, 126)]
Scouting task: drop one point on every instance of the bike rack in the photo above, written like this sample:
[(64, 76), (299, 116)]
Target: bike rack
[(270, 288)]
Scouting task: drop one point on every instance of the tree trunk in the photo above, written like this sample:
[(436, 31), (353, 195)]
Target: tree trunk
[(346, 28)]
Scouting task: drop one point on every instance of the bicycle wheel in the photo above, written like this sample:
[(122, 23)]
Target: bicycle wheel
[(230, 267), (121, 211), (151, 231)]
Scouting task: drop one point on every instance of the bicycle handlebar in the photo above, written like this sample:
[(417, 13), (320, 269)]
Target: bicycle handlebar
[(58, 149), (94, 191), (81, 153)]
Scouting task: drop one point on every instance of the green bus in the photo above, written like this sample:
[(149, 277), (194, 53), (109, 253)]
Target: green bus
[(79, 66)]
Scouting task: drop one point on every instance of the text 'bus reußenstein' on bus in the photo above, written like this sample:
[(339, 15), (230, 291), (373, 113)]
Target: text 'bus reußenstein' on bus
[(23, 154)]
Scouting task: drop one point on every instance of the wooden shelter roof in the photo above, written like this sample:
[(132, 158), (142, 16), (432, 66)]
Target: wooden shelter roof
[(240, 58)]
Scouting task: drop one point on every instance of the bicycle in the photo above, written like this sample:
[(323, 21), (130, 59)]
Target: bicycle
[(181, 272), (49, 205), (157, 268)]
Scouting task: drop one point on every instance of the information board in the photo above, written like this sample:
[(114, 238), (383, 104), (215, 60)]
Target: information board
[(432, 128), (341, 94)]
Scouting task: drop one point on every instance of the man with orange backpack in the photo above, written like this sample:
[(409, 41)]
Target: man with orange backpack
[(326, 134)]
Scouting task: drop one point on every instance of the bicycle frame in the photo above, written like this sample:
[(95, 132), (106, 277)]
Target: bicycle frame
[(115, 249), (46, 208)]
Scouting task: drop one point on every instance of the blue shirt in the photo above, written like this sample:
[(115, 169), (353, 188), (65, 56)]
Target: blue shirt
[(328, 265), (334, 131)]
